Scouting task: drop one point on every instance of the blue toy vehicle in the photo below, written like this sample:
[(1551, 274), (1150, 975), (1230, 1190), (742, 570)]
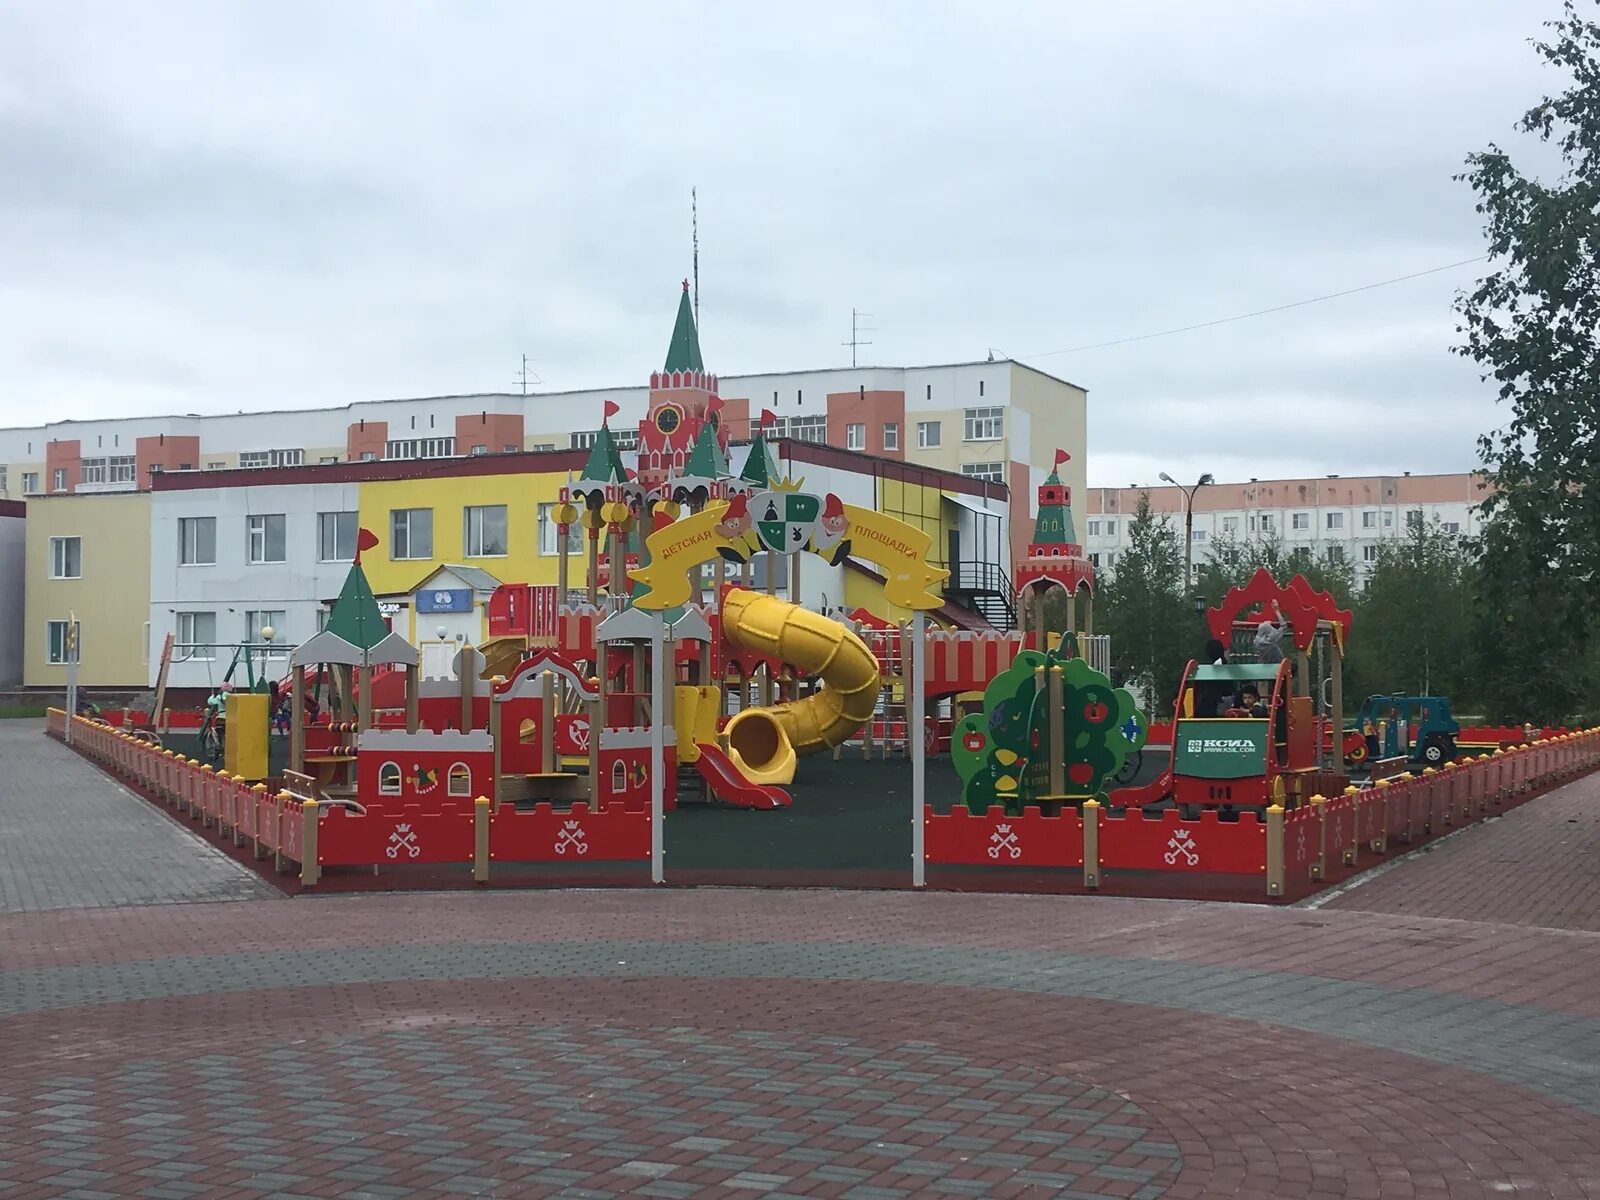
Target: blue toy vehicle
[(1419, 729)]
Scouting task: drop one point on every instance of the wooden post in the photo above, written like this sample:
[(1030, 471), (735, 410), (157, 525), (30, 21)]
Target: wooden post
[(1275, 869), (563, 569), (1058, 765), (310, 868), (592, 586), (364, 699), (258, 795), (1319, 864), (495, 733), (480, 840), (547, 721), (297, 720), (413, 697), (596, 721), (467, 672), (1336, 659), (1091, 843)]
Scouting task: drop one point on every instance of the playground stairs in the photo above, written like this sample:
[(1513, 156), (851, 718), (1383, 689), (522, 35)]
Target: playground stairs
[(986, 589)]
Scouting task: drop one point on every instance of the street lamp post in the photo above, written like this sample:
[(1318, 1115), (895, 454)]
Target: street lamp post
[(1188, 522)]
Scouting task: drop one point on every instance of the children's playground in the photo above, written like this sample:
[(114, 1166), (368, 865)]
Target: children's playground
[(654, 718)]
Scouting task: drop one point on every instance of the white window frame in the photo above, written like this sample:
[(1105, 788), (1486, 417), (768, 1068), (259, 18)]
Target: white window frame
[(1333, 520), (406, 448), (390, 779), (855, 435), (474, 540), (1299, 522), (325, 520), (57, 634), (1094, 528), (1334, 553), (185, 525), (61, 549), (548, 546), (1111, 528), (1267, 523), (812, 427), (92, 470), (258, 536), (451, 776), (58, 480), (1369, 519), (124, 468), (30, 483), (394, 539), (991, 472), (271, 458), (987, 424), (928, 435), (256, 619), (891, 435), (1452, 526), (1230, 524), (582, 439), (189, 647), (1369, 553)]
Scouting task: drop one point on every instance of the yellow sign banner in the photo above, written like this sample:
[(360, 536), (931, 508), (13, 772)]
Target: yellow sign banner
[(731, 531)]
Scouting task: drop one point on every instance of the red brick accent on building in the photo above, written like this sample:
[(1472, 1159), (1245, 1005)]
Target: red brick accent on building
[(872, 409), (366, 437), (62, 454), (13, 508), (498, 433), (166, 452), (736, 418)]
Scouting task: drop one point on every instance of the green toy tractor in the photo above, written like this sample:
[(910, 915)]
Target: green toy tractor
[(1419, 729)]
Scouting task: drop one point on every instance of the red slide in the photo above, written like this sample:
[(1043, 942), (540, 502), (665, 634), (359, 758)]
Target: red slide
[(729, 786)]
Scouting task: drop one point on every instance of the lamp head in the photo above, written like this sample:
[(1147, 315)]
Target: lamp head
[(1165, 478)]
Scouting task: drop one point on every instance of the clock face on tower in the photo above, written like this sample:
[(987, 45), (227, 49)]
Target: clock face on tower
[(667, 419)]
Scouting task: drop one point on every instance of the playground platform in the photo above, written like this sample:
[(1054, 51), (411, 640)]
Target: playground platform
[(735, 1043)]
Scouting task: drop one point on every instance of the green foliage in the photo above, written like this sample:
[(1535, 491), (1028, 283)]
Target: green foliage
[(1533, 326), (1154, 630), (1232, 561)]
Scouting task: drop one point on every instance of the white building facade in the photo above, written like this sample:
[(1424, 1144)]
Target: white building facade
[(225, 563), (1336, 518)]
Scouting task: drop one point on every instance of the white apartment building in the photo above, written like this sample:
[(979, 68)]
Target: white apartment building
[(994, 420), (1334, 517)]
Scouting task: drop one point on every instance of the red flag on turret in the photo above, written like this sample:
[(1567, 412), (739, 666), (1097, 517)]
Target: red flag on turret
[(612, 409), (767, 417), (1062, 456), (715, 404), (365, 540)]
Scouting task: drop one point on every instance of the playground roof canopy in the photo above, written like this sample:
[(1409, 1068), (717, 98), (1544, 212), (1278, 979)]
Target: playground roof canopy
[(1236, 672), (329, 647)]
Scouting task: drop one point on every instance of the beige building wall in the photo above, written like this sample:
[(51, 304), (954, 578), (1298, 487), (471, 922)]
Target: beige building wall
[(1057, 418), (111, 597)]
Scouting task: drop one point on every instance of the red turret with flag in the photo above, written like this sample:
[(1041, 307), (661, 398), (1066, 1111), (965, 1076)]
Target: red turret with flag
[(1054, 555), (683, 401)]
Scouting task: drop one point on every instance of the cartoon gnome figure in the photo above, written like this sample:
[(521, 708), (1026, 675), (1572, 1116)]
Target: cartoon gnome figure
[(737, 527), (829, 539)]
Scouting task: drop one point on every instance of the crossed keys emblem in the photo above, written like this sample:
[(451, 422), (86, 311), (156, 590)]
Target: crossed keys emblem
[(1003, 840), (571, 837), (403, 838), (1181, 845)]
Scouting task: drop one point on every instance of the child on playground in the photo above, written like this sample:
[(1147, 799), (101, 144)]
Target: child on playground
[(1268, 637)]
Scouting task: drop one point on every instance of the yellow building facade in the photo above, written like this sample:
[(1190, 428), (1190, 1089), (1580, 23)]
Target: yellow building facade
[(88, 558)]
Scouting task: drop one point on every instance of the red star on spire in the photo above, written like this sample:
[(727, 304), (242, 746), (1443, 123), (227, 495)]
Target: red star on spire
[(686, 285)]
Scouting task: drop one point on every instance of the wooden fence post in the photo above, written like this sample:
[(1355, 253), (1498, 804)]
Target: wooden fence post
[(1091, 843)]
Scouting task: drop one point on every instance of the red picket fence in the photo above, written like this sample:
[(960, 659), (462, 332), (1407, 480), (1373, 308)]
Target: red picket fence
[(994, 839)]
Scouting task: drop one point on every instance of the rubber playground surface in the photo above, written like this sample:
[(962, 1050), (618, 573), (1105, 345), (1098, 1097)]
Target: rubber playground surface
[(171, 1026)]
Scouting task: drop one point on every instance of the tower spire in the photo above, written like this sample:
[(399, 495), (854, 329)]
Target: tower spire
[(684, 352)]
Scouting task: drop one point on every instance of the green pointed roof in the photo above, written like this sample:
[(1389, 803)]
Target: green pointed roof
[(1053, 525), (760, 468), (706, 460), (605, 460), (684, 352), (355, 616)]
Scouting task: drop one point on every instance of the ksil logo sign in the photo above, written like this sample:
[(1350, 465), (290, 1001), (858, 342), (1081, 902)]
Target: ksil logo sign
[(1220, 745)]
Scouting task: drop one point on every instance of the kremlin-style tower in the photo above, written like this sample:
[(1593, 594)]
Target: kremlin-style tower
[(683, 402), (1054, 555)]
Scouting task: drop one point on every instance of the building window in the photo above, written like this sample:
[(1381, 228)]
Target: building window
[(984, 425), (336, 536), (1197, 535), (855, 436), (459, 781), (583, 439), (808, 429), (92, 470), (369, 456), (1452, 526), (927, 435), (1111, 529), (980, 387), (1301, 521), (547, 533), (215, 466), (271, 458), (1413, 518), (891, 435), (2, 479), (1268, 522), (60, 645), (1388, 520), (1094, 528), (484, 535), (66, 558), (928, 394), (508, 448), (538, 446), (1334, 554), (58, 481), (197, 636), (257, 619), (444, 447), (478, 451), (626, 440), (389, 779), (124, 469), (411, 533), (1111, 558), (30, 483), (1369, 553), (1094, 560), (1335, 520), (264, 540), (1230, 524), (1369, 519), (993, 472), (197, 541)]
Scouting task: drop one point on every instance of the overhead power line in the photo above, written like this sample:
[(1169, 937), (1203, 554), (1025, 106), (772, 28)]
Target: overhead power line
[(1260, 312)]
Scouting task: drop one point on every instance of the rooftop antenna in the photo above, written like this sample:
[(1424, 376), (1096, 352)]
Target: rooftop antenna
[(856, 330), (527, 376), (694, 224)]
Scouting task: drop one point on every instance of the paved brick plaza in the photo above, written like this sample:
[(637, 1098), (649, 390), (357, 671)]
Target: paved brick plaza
[(761, 1044)]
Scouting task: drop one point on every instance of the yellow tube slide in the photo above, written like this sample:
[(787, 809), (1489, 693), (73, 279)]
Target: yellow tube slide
[(763, 742)]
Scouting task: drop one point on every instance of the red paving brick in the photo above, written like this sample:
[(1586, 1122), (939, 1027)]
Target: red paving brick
[(1536, 865)]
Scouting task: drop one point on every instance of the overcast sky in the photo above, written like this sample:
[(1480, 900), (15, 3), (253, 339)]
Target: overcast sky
[(210, 207)]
